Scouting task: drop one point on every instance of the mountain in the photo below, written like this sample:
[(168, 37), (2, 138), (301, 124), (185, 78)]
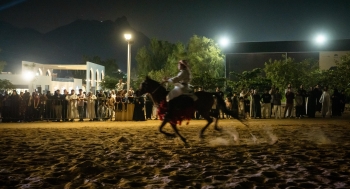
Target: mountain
[(68, 44)]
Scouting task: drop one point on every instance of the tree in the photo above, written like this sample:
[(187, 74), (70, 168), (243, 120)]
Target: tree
[(108, 82), (204, 54), (249, 80), (285, 71), (339, 76), (153, 57), (6, 84)]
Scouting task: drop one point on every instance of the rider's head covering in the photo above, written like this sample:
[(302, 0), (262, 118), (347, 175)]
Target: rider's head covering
[(183, 62)]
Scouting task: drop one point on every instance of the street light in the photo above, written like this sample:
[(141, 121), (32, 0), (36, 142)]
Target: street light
[(224, 42), (128, 39), (320, 39)]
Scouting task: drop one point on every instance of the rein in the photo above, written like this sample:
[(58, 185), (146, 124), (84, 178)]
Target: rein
[(156, 89)]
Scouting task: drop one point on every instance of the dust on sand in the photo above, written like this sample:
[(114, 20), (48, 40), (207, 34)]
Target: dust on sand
[(310, 153)]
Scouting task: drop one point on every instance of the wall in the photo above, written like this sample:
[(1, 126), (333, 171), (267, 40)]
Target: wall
[(327, 59)]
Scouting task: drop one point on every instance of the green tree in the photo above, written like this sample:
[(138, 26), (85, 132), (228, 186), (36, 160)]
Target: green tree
[(205, 55), (254, 79), (285, 71), (339, 76), (6, 84), (108, 82), (153, 57)]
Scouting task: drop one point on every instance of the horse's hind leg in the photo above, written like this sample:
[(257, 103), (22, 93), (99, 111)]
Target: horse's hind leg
[(177, 132), (210, 120), (165, 133)]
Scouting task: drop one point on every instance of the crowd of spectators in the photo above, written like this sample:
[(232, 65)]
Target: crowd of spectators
[(102, 106), (65, 106), (287, 103)]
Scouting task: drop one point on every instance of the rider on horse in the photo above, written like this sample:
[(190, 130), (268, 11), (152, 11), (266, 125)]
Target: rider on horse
[(180, 85)]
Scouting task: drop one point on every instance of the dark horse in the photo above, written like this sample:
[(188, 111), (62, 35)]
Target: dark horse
[(184, 106)]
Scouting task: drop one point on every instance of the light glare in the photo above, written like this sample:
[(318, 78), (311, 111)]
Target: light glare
[(224, 42), (320, 39), (127, 36)]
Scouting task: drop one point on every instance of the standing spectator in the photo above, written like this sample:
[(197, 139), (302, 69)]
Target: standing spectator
[(302, 93), (266, 104), (311, 102), (342, 101), (64, 105), (36, 106), (318, 93), (256, 105), (72, 105), (101, 100), (48, 106), (15, 100), (277, 97), (272, 93), (139, 113), (235, 103), (228, 103), (241, 106), (43, 100), (289, 103), (325, 100), (110, 105), (57, 100), (298, 105), (221, 94), (336, 109), (80, 105), (251, 114), (90, 101), (247, 105), (149, 105), (120, 86)]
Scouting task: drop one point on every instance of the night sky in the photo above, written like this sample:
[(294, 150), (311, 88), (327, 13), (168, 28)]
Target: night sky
[(178, 20)]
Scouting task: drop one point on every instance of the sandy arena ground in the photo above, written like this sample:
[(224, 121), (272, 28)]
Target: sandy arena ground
[(267, 153)]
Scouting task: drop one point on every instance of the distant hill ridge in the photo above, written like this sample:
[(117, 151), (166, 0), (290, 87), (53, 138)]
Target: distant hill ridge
[(67, 44)]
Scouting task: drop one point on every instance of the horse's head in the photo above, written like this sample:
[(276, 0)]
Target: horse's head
[(148, 86)]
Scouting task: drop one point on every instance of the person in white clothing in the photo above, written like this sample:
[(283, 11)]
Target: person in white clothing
[(325, 100), (72, 105), (91, 98)]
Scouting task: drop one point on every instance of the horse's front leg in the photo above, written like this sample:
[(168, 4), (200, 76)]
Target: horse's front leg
[(165, 133), (177, 132)]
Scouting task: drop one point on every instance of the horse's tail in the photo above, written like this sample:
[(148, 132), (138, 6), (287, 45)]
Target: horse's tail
[(222, 105)]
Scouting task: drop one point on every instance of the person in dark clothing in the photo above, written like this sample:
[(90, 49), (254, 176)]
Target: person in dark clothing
[(139, 114), (342, 101), (49, 113), (64, 106), (336, 110), (221, 94), (266, 100), (15, 100), (57, 100), (256, 105), (311, 102), (289, 103), (303, 94), (149, 107), (318, 94)]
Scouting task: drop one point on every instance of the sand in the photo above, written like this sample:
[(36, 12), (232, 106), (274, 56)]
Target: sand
[(286, 153)]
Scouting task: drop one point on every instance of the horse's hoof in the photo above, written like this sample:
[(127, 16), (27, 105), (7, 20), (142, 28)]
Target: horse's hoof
[(218, 129)]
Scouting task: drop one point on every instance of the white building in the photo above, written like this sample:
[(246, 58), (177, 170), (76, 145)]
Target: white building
[(40, 77)]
